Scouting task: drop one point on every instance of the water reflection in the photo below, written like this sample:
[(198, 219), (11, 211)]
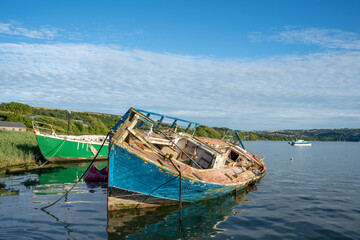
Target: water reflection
[(296, 200), (66, 225), (196, 220), (85, 207), (58, 180), (66, 173), (15, 184)]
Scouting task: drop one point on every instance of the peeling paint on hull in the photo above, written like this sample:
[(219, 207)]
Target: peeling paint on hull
[(141, 178), (145, 166)]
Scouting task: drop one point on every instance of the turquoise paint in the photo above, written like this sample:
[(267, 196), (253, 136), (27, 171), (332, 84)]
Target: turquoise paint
[(130, 172)]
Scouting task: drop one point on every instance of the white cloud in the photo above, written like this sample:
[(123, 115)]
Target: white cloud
[(272, 93), (328, 38), (43, 32)]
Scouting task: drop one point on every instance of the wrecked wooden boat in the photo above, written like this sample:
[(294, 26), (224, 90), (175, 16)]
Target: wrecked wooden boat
[(150, 167)]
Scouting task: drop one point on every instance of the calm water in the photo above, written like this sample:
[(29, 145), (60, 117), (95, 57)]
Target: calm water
[(315, 196)]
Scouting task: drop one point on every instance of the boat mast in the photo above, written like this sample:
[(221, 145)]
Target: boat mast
[(69, 122)]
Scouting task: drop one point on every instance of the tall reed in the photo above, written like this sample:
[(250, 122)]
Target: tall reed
[(17, 148)]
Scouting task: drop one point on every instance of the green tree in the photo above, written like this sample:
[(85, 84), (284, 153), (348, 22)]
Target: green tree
[(17, 108), (96, 126)]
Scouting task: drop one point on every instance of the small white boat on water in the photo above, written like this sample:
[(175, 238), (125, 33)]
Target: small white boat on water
[(300, 142)]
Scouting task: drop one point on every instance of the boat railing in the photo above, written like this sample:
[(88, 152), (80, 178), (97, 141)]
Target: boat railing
[(42, 127), (230, 135), (47, 128), (174, 124)]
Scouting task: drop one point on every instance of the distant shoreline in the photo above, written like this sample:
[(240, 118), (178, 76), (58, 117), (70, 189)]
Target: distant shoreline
[(84, 123)]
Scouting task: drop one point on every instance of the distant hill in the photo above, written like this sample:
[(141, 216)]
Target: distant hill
[(343, 134), (99, 123), (81, 122)]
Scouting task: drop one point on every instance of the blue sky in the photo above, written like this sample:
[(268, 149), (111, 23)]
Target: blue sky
[(247, 65)]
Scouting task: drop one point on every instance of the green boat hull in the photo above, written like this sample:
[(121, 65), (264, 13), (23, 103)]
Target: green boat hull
[(59, 149)]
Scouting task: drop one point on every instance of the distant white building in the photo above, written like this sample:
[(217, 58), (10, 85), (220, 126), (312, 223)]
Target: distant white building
[(12, 126)]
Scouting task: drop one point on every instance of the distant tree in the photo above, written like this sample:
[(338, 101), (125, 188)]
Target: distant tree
[(78, 127), (17, 108), (205, 131), (96, 126)]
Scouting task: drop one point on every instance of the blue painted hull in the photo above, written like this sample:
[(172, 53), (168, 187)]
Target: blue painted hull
[(134, 174)]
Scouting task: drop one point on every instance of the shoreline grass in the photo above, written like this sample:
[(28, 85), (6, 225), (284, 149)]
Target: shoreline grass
[(18, 148)]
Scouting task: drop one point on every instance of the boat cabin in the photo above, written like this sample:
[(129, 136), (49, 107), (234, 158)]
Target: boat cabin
[(140, 131)]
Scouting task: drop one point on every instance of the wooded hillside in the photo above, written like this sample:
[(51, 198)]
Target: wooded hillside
[(99, 123), (81, 122)]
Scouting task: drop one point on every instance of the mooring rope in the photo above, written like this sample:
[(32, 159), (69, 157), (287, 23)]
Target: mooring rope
[(180, 178), (172, 179), (67, 192), (58, 149), (52, 155)]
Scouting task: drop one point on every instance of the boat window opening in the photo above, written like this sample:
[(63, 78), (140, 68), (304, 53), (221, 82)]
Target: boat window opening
[(194, 155), (233, 159), (158, 146), (233, 155)]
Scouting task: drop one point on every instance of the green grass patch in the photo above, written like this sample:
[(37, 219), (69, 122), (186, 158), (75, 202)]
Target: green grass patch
[(18, 148)]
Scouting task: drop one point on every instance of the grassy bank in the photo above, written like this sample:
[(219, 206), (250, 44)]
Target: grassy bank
[(18, 148)]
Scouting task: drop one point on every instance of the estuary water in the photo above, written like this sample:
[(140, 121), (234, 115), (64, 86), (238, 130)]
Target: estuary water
[(314, 196)]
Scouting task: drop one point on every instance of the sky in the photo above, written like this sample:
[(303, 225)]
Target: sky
[(245, 65)]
